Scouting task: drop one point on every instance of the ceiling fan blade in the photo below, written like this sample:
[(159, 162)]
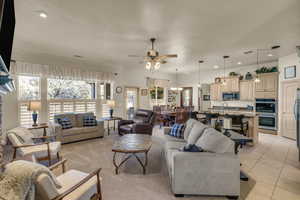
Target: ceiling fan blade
[(163, 62), (172, 55), (135, 56)]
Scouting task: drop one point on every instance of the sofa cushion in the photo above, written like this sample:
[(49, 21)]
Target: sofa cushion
[(188, 127), (214, 141), (168, 138), (196, 132), (40, 151), (89, 120), (79, 118), (79, 130), (65, 123), (177, 130), (22, 136), (71, 178), (71, 116)]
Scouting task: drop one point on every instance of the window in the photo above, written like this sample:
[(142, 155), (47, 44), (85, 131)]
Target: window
[(29, 88), (102, 92), (70, 89), (157, 93)]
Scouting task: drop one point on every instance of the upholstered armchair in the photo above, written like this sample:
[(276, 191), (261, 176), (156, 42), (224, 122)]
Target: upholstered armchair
[(76, 185), (24, 143), (142, 122)]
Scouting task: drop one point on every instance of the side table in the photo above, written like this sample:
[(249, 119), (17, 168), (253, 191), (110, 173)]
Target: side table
[(39, 126), (108, 119)]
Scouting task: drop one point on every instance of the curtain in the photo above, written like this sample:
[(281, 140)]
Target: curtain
[(151, 82), (69, 73)]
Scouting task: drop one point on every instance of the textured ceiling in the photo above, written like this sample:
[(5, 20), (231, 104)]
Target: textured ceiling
[(106, 32)]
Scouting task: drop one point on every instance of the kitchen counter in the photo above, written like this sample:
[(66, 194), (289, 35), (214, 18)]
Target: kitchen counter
[(250, 116)]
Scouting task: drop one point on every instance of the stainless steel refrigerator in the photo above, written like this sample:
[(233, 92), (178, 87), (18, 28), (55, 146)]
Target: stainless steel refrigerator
[(297, 117)]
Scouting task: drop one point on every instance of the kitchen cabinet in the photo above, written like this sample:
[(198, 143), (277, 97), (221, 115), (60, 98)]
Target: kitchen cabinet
[(247, 90), (215, 92), (268, 82), (232, 84)]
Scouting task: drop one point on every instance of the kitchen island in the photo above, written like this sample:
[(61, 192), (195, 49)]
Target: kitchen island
[(249, 116)]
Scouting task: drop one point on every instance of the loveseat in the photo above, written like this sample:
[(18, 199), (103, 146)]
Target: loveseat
[(213, 172), (78, 132)]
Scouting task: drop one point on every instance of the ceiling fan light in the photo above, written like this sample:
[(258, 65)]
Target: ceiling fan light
[(156, 66)]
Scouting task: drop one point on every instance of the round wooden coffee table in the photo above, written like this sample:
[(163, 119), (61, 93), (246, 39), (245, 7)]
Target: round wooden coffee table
[(132, 144)]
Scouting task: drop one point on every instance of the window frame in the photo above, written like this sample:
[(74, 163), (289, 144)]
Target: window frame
[(39, 89)]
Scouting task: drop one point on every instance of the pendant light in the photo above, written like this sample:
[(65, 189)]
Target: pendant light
[(200, 62), (176, 88), (257, 80), (224, 80)]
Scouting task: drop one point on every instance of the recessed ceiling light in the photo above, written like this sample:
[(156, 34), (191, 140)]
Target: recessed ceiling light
[(216, 66), (239, 63), (43, 15), (270, 55), (78, 56)]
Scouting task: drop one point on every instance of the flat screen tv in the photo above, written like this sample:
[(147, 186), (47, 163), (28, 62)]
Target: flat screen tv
[(7, 29)]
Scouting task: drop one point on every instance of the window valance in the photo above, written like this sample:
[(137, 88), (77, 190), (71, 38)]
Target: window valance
[(152, 82), (70, 73)]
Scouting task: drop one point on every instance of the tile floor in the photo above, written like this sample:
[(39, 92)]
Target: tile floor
[(274, 166)]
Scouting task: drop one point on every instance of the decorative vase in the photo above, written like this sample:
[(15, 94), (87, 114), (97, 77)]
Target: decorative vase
[(34, 118)]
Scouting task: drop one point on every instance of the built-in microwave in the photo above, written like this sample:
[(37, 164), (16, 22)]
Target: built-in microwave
[(233, 96)]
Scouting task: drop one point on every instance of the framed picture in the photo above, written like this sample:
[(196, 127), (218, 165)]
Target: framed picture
[(290, 72), (144, 92), (119, 90)]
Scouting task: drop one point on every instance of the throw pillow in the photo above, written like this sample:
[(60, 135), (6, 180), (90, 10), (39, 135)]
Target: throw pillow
[(214, 141), (89, 120), (65, 123), (188, 127), (196, 132), (177, 130), (192, 148)]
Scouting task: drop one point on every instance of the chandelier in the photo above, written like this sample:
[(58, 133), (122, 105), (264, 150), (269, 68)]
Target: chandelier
[(152, 66)]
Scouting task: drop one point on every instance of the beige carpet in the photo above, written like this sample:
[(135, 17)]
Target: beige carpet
[(130, 184)]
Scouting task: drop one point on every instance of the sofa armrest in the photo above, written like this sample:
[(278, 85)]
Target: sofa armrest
[(166, 130), (205, 173), (125, 122), (57, 129)]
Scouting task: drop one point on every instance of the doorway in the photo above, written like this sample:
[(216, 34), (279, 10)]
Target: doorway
[(186, 96), (131, 100), (288, 122)]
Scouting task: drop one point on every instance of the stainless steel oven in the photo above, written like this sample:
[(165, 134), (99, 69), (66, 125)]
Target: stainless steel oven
[(267, 121), (266, 106)]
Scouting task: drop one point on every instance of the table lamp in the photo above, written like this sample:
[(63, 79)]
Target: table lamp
[(34, 106), (111, 104)]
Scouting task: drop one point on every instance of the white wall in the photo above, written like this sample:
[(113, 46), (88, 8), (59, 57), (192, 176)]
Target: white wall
[(208, 76), (283, 62)]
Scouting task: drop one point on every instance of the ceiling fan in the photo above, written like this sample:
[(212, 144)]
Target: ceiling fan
[(153, 59)]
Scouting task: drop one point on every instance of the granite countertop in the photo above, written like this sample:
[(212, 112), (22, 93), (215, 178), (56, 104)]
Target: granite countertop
[(246, 113)]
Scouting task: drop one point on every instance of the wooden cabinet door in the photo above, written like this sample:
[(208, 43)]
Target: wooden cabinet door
[(246, 90), (288, 96), (270, 82), (235, 84), (215, 92), (259, 86)]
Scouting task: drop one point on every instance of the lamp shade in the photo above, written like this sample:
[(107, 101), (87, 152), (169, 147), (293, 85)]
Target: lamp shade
[(111, 103), (34, 106), (227, 123)]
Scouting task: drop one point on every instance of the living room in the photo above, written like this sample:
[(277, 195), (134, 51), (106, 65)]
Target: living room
[(152, 100)]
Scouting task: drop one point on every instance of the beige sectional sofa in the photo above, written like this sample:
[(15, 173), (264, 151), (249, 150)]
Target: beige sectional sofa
[(78, 132), (216, 172)]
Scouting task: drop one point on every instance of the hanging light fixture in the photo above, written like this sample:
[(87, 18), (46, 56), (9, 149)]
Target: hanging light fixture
[(200, 62), (257, 80), (224, 80), (152, 66), (176, 88)]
